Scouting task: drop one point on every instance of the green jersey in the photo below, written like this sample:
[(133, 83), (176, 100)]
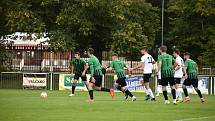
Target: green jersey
[(167, 65), (192, 68), (118, 66), (79, 65), (95, 66)]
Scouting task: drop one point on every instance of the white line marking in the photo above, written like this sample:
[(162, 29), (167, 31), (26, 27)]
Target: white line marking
[(190, 119)]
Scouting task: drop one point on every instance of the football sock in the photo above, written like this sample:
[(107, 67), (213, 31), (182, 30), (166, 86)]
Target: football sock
[(185, 92), (91, 94), (128, 93), (165, 95), (105, 89), (173, 93), (73, 89), (199, 92), (178, 94), (151, 93), (147, 93)]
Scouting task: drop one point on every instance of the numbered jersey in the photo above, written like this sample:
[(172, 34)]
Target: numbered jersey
[(147, 61), (118, 67), (167, 65), (180, 62)]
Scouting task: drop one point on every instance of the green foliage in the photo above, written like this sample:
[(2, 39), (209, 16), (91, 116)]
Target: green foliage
[(192, 28), (117, 25), (109, 24), (137, 23), (3, 55)]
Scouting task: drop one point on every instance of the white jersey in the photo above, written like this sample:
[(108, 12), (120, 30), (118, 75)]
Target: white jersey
[(179, 72), (147, 61)]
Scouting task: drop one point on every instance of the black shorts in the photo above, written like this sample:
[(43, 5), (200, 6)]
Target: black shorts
[(146, 77), (98, 80), (177, 80), (165, 81), (83, 78), (121, 82), (189, 82)]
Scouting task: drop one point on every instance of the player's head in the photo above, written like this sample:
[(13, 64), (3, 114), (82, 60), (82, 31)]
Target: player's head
[(186, 55), (163, 49), (144, 50), (176, 53), (114, 56), (90, 51), (77, 55)]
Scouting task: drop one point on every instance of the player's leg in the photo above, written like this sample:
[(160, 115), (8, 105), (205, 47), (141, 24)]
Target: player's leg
[(90, 90), (123, 84), (187, 82), (150, 91), (178, 92), (146, 83), (98, 83), (159, 88), (145, 79), (173, 91), (74, 84), (195, 85), (84, 79), (164, 83), (118, 87)]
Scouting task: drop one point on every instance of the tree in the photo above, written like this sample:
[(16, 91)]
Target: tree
[(137, 24), (192, 28)]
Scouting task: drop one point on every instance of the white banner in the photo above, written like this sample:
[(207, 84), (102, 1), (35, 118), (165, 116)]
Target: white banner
[(34, 80)]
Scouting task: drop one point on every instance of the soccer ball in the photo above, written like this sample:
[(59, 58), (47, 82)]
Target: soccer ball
[(43, 95)]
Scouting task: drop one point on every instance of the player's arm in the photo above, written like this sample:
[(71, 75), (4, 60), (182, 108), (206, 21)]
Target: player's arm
[(110, 67), (185, 69), (159, 64), (129, 69), (92, 70), (141, 65), (185, 72), (85, 69), (176, 66), (153, 61), (71, 68)]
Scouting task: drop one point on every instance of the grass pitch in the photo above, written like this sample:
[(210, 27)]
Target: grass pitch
[(26, 105)]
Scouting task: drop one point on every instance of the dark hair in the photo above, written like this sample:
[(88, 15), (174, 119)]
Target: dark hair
[(78, 53), (115, 54), (91, 50), (163, 48), (144, 48), (186, 53), (177, 51)]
